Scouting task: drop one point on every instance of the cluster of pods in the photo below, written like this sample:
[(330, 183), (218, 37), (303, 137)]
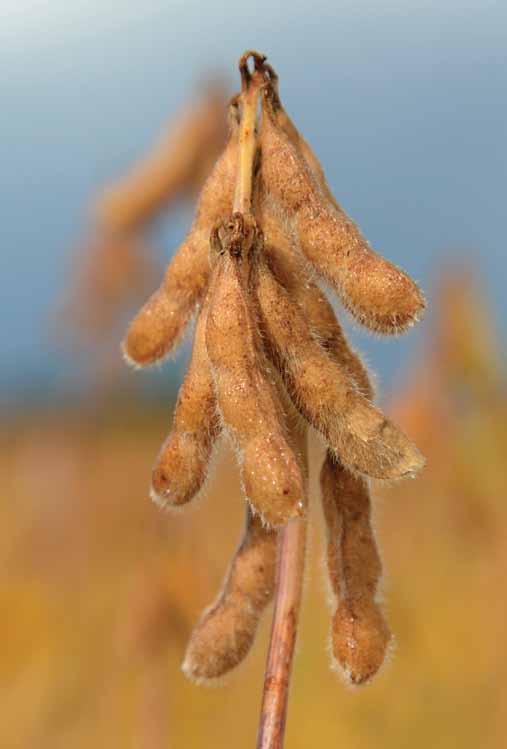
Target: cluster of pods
[(269, 360)]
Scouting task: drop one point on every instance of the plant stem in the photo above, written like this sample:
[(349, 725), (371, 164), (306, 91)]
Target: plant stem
[(250, 88), (288, 590), (292, 541)]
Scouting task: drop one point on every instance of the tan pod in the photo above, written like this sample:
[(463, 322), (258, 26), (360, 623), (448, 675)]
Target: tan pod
[(289, 269), (285, 123), (182, 464), (377, 293), (246, 391), (161, 323), (326, 395), (359, 633), (225, 634)]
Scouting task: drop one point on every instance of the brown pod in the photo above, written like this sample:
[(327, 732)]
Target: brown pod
[(289, 269), (376, 292), (182, 464), (285, 123), (173, 167), (225, 634), (161, 323), (360, 635), (246, 390), (324, 392)]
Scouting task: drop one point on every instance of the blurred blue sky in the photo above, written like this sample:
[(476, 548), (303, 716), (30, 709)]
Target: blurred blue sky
[(405, 103)]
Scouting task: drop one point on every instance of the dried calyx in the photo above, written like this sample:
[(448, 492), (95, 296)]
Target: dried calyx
[(269, 358)]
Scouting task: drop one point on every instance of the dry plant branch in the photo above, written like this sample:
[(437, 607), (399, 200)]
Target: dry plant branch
[(250, 91), (288, 590)]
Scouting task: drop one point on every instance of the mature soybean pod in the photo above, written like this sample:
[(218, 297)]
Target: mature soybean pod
[(289, 269), (325, 394), (359, 632), (226, 631), (161, 323), (170, 169), (298, 141), (377, 293), (182, 464), (246, 391)]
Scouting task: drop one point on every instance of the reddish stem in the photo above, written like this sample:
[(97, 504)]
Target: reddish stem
[(288, 590), (283, 635)]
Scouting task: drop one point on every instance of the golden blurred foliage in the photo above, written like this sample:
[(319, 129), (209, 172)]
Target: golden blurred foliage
[(99, 590)]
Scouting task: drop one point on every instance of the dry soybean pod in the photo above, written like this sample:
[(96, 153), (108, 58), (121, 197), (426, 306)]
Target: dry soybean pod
[(171, 168), (324, 393), (377, 293), (289, 269), (359, 633), (246, 391), (226, 631), (293, 134), (182, 464), (161, 323)]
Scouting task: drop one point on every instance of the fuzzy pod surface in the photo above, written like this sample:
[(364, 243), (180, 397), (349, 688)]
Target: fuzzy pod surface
[(359, 633), (161, 323), (247, 396), (322, 390), (377, 293), (226, 631), (182, 464)]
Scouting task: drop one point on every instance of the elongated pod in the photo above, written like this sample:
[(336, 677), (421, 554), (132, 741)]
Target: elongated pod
[(298, 141), (359, 632), (291, 272), (325, 394), (246, 392), (377, 293), (161, 323), (182, 464), (226, 631), (171, 168)]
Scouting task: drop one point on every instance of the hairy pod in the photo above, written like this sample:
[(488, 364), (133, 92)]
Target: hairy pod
[(161, 323), (174, 166), (225, 634), (246, 389), (182, 464), (290, 271), (325, 394), (359, 632), (377, 293), (285, 123)]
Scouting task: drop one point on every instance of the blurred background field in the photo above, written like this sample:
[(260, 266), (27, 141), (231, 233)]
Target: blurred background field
[(99, 590)]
